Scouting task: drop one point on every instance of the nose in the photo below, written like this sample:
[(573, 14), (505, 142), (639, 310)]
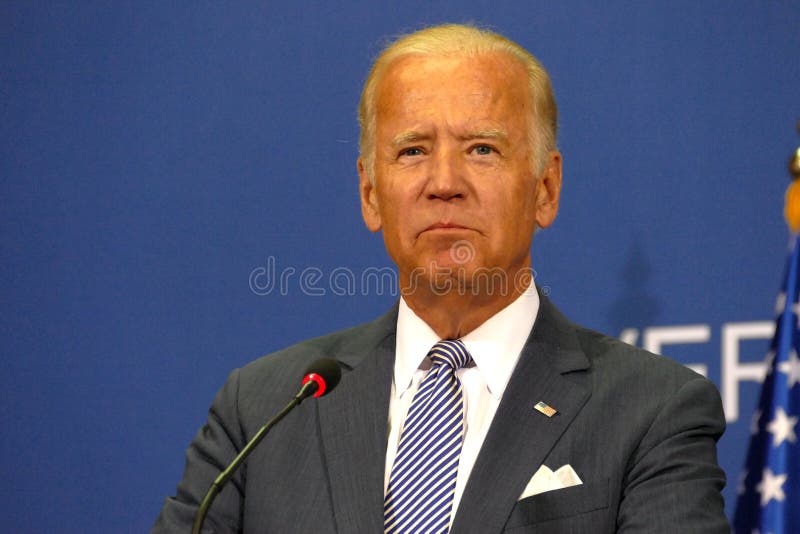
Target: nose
[(446, 178)]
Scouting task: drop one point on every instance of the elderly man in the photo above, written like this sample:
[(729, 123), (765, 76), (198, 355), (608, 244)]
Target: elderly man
[(473, 405)]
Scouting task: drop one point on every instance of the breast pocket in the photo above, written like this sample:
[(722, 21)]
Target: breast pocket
[(559, 503)]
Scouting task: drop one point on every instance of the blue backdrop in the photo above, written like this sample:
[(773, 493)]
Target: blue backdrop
[(158, 158)]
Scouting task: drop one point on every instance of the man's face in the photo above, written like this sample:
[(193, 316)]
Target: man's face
[(455, 185)]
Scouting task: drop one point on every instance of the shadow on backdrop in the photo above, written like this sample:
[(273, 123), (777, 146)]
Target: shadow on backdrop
[(635, 307)]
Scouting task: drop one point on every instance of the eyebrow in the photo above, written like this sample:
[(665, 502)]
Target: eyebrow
[(414, 136), (409, 137), (493, 133)]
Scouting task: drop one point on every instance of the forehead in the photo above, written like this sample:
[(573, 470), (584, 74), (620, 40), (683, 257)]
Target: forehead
[(491, 83)]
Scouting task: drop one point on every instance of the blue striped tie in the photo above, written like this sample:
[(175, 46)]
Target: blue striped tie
[(423, 480)]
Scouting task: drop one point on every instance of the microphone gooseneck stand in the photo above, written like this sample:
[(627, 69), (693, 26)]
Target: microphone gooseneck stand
[(322, 377)]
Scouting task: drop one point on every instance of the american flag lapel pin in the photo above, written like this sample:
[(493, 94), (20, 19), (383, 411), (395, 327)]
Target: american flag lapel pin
[(546, 409)]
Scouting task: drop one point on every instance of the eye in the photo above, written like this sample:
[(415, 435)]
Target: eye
[(483, 150), (413, 151)]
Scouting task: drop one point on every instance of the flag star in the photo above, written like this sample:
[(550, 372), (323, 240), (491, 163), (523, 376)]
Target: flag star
[(771, 487), (780, 302), (782, 427), (791, 368), (754, 426)]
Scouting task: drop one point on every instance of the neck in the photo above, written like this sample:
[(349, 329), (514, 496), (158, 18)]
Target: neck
[(454, 314)]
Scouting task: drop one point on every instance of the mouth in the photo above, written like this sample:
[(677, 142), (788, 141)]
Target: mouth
[(447, 229), (444, 226)]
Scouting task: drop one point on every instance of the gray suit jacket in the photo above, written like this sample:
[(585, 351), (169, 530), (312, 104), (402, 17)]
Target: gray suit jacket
[(639, 429)]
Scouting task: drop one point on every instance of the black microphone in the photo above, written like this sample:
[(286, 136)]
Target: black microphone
[(319, 379)]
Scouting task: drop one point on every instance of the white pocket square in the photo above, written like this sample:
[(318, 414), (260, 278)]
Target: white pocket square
[(547, 480)]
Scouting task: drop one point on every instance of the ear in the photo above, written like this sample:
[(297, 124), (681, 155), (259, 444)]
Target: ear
[(548, 190), (369, 199)]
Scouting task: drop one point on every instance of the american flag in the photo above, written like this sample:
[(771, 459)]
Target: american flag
[(769, 486)]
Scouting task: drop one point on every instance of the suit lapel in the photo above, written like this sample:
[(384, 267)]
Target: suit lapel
[(520, 437), (353, 426)]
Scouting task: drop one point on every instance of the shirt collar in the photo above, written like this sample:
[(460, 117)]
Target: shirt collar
[(495, 345)]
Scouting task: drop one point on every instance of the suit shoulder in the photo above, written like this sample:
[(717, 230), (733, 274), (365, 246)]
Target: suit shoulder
[(647, 387), (346, 346), (266, 384), (611, 357)]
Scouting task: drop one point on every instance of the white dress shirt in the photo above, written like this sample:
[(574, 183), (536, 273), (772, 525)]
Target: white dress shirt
[(495, 347)]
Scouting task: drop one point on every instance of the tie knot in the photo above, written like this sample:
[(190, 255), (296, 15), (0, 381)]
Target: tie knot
[(450, 352)]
